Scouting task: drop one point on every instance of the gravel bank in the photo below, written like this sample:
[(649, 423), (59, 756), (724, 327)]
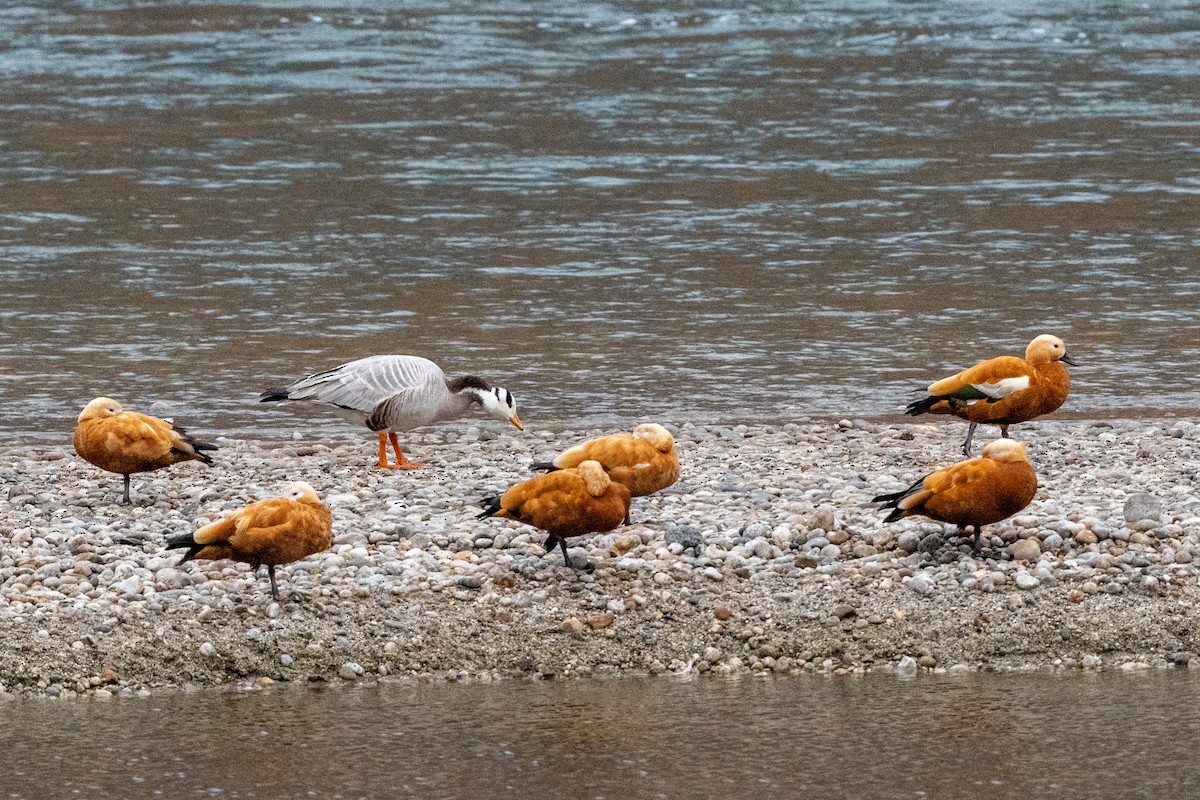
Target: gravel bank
[(766, 556)]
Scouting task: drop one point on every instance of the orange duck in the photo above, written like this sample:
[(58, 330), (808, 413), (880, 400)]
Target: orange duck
[(644, 460), (275, 531), (977, 492), (126, 442), (1005, 390), (567, 502)]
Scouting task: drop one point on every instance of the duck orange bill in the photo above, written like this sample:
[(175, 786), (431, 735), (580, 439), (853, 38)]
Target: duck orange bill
[(1068, 360), (515, 420)]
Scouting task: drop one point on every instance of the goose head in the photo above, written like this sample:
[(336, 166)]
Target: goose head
[(499, 402), (100, 407)]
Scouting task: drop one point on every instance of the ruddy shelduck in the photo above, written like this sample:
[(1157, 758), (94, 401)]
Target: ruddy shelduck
[(567, 502), (126, 442), (276, 531), (644, 460), (1005, 390), (976, 492), (397, 393)]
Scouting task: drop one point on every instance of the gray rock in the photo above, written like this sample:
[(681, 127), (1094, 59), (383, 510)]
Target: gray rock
[(931, 544), (907, 666), (920, 584), (684, 535), (909, 541), (1142, 506), (1026, 581), (756, 529)]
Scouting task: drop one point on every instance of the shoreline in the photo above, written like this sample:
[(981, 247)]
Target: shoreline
[(794, 570)]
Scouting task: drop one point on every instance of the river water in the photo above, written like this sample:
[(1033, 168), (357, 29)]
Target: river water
[(983, 736), (639, 210), (678, 211)]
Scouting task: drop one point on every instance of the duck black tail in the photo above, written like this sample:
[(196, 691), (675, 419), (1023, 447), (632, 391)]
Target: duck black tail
[(274, 395), (544, 466), (921, 406), (184, 540), (893, 499), (197, 446), (491, 505)]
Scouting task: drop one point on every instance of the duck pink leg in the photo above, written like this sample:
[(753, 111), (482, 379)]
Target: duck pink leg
[(967, 442)]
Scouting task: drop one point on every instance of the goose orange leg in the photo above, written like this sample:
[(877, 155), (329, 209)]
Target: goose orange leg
[(401, 461)]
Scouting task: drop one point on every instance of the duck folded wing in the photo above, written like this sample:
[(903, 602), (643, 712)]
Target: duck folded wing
[(267, 519), (990, 380), (613, 450), (962, 474)]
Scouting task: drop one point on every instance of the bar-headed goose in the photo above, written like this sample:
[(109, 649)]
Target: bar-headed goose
[(397, 393)]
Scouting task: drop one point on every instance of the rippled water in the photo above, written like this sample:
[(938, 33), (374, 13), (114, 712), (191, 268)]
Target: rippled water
[(980, 736), (617, 211)]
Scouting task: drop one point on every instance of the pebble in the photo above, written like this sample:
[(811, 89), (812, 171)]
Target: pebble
[(684, 535), (601, 621), (920, 584), (1141, 506), (1026, 550)]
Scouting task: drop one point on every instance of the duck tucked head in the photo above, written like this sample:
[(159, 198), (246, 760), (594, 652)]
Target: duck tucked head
[(594, 477), (299, 490), (1047, 348), (1005, 451), (658, 436), (100, 407)]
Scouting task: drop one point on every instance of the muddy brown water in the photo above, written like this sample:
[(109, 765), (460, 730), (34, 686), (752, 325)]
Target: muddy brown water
[(673, 211), (988, 736)]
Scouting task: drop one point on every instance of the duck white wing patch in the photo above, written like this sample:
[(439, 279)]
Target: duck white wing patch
[(1003, 388)]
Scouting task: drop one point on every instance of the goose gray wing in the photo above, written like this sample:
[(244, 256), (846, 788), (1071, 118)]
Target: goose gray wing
[(363, 384)]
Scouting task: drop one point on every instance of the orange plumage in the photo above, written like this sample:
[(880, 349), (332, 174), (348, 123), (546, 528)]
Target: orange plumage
[(568, 502), (644, 460), (275, 531), (1005, 390), (126, 442), (977, 492)]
